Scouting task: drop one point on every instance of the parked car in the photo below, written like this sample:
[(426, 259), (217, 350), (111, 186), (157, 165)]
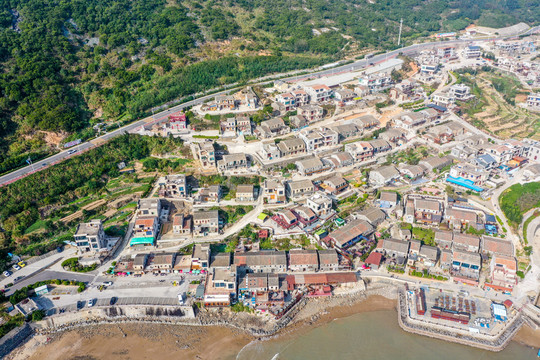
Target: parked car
[(181, 299), (108, 283), (16, 267), (113, 301), (91, 302), (7, 273), (21, 264)]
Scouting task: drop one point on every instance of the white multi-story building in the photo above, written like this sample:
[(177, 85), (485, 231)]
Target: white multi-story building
[(472, 51), (90, 237), (461, 92), (319, 93), (316, 139), (320, 203), (533, 101)]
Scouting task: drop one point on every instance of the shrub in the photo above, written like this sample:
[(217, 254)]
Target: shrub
[(38, 315)]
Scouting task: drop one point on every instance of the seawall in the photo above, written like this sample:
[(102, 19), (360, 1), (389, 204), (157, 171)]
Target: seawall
[(492, 343)]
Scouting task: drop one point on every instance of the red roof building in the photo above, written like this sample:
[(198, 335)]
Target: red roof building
[(374, 260)]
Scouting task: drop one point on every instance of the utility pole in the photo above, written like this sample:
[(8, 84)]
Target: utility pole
[(400, 27)]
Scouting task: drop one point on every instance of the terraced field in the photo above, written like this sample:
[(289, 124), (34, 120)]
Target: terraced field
[(502, 118)]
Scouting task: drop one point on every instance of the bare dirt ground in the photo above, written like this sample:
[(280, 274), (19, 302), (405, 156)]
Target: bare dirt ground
[(388, 115)]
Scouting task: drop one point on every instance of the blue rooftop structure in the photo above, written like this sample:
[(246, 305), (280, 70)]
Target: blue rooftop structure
[(486, 161), (491, 229), (437, 107), (469, 184), (490, 219), (141, 241)]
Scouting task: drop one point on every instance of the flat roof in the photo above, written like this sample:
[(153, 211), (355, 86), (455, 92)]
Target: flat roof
[(141, 240), (466, 183)]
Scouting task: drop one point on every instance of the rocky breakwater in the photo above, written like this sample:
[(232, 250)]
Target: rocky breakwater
[(495, 342)]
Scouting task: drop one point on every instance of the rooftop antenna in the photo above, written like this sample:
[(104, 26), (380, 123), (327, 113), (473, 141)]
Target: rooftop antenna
[(400, 27)]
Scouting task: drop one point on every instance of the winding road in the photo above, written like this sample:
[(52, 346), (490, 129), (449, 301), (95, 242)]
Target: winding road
[(52, 160)]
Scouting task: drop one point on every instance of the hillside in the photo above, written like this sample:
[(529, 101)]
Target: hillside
[(70, 64)]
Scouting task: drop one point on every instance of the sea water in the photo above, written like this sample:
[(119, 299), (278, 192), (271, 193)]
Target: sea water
[(371, 335)]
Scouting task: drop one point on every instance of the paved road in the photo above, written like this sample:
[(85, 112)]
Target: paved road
[(50, 275), (61, 156), (15, 175)]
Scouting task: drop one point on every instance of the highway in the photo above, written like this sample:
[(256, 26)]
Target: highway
[(22, 172)]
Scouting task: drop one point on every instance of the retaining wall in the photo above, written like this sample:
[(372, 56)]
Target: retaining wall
[(125, 313), (14, 338)]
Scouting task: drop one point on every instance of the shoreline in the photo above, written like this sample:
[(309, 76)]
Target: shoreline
[(210, 341)]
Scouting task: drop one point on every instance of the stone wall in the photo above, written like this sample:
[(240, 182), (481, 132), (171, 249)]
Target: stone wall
[(14, 338), (169, 314)]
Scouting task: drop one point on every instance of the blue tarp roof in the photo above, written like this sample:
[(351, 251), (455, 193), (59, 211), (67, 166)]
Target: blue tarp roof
[(464, 182)]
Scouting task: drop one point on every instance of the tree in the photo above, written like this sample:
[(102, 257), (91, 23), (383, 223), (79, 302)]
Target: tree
[(38, 315)]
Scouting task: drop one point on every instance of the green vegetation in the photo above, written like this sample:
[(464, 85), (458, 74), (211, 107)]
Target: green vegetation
[(518, 199), (27, 291), (427, 236), (31, 203), (366, 254), (206, 137), (73, 265), (493, 107), (395, 269), (231, 214), (239, 307), (248, 233), (38, 315), (11, 323), (425, 274), (168, 165), (508, 87), (471, 230), (73, 64), (409, 156), (285, 244)]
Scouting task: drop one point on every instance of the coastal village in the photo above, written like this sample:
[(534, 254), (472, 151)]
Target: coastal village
[(323, 186)]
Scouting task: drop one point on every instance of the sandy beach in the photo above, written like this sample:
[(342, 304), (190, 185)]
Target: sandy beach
[(527, 336), (144, 341), (137, 342)]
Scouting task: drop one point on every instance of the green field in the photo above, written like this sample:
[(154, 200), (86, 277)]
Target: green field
[(518, 199)]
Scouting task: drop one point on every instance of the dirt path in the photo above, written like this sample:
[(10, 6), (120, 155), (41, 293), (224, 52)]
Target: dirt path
[(79, 213)]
